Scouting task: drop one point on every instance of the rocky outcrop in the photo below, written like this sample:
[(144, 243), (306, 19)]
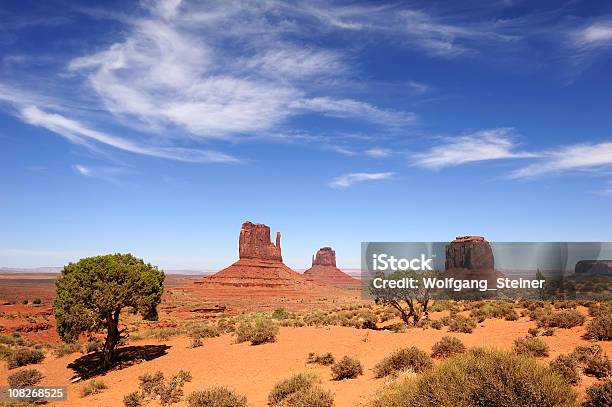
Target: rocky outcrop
[(594, 267), (254, 243), (469, 253), (259, 265), (324, 270)]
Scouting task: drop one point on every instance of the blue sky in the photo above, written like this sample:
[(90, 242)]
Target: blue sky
[(158, 127)]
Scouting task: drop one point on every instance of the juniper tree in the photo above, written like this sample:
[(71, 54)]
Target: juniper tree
[(92, 293)]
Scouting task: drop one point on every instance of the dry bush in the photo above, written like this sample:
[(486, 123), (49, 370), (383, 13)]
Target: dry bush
[(195, 343), (93, 387), (216, 397), (154, 386), (600, 327), (314, 396), (257, 332), (599, 395), (204, 331), (133, 399), (67, 349), (296, 383), (447, 346), (436, 324), (530, 346), (566, 366), (324, 359), (582, 353), (459, 323), (24, 378), (533, 331), (548, 332), (24, 356), (411, 358), (598, 366), (346, 368), (566, 319), (482, 378)]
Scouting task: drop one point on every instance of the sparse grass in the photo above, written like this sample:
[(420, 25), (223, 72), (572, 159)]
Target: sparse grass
[(346, 368), (530, 346), (216, 397), (411, 358), (93, 387), (600, 327), (324, 359), (447, 346), (599, 395), (483, 378), (24, 378), (67, 349)]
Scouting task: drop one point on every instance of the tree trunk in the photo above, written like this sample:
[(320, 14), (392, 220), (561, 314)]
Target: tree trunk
[(112, 338)]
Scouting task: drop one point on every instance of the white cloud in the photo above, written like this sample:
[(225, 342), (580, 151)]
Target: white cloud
[(596, 34), (378, 152), (580, 157), (347, 180), (81, 169), (80, 134), (492, 144)]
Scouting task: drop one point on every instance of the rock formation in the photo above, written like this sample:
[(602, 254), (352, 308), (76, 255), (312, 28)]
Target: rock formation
[(594, 267), (324, 270), (260, 263), (469, 253)]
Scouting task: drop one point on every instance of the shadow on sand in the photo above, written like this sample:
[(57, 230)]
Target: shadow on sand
[(89, 365)]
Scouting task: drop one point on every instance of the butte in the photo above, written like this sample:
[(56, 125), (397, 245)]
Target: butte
[(324, 270)]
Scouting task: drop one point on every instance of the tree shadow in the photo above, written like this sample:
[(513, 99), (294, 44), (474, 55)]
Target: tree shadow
[(90, 365)]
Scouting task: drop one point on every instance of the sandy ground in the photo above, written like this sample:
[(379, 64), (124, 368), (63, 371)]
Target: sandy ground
[(253, 370)]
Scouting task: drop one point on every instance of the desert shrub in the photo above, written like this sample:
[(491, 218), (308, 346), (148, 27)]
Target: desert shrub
[(598, 366), (24, 378), (582, 353), (154, 386), (67, 349), (346, 368), (293, 384), (133, 399), (459, 323), (281, 313), (447, 346), (548, 332), (566, 366), (436, 324), (488, 378), (600, 327), (151, 382), (216, 397), (195, 343), (411, 358), (566, 319), (37, 301), (533, 331), (323, 359), (258, 332), (93, 345), (512, 316), (599, 395), (93, 387), (25, 301), (204, 331), (24, 356), (314, 396), (530, 346)]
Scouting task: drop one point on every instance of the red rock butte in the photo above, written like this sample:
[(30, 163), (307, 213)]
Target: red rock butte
[(324, 270), (260, 263)]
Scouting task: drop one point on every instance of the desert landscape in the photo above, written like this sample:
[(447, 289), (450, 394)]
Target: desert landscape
[(257, 322)]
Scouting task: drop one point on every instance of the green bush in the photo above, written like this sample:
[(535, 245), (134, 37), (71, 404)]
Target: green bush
[(599, 395), (459, 323), (346, 368), (24, 378), (24, 356), (482, 378), (530, 346), (566, 366), (258, 332), (324, 359), (447, 346), (293, 384), (600, 327), (411, 358), (93, 387), (216, 397)]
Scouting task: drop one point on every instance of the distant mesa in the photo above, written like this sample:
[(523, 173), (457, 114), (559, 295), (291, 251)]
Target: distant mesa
[(594, 267), (260, 263), (324, 270), (469, 253)]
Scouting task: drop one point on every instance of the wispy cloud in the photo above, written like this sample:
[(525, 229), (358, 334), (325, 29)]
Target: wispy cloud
[(596, 34), (378, 152), (347, 180), (577, 157), (484, 145), (76, 132)]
